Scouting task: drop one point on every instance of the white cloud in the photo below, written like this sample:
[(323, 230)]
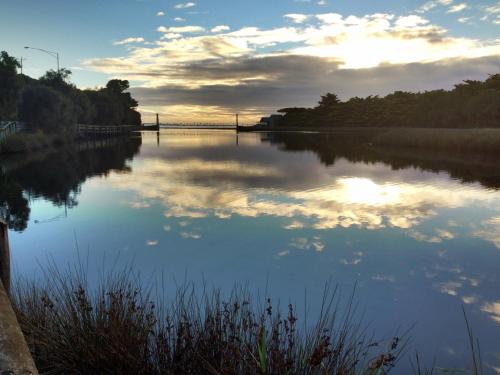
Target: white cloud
[(433, 4), (457, 8), (494, 9), (220, 28), (297, 18), (303, 243), (493, 310), (185, 5), (181, 29), (179, 19), (352, 42), (294, 225), (160, 14), (489, 230), (129, 41)]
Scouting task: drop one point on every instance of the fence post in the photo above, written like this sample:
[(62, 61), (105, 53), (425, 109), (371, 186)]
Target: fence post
[(4, 255)]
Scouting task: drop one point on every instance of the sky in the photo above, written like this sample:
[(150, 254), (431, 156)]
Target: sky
[(205, 60)]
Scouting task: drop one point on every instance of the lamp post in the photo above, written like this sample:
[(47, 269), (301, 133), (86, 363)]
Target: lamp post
[(51, 53)]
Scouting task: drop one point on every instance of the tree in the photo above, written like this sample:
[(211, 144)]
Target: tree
[(58, 79), (328, 101), (117, 86), (47, 109), (10, 86)]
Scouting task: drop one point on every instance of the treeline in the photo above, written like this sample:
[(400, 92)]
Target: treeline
[(471, 104), (52, 103)]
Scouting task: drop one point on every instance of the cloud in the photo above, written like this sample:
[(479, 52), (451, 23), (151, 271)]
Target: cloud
[(160, 14), (220, 28), (297, 18), (179, 19), (303, 243), (298, 80), (493, 310), (185, 5), (433, 4), (295, 224), (129, 41), (181, 29), (293, 65), (489, 230), (457, 8)]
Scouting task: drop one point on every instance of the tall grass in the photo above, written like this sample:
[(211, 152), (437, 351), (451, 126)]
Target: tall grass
[(120, 327)]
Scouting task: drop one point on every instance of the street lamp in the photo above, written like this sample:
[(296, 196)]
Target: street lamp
[(51, 53)]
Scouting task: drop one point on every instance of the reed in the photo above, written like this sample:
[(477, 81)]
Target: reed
[(122, 327)]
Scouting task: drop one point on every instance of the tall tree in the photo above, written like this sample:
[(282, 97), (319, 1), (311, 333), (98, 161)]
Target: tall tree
[(10, 86)]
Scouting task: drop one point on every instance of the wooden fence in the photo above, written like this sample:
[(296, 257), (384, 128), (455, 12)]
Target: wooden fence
[(8, 128)]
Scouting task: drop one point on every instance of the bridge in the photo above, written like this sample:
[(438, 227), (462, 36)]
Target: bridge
[(192, 125), (110, 130)]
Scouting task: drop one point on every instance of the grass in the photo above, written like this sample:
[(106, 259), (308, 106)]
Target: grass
[(118, 328), (24, 142)]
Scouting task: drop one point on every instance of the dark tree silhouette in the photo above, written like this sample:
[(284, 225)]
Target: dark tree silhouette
[(470, 104), (10, 86), (53, 104)]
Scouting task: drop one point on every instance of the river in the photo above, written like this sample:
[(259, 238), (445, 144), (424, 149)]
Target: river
[(418, 236)]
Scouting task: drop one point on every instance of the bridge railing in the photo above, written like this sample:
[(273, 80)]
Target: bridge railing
[(194, 125), (105, 129)]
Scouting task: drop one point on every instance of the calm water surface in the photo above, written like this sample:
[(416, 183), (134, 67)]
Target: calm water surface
[(286, 212)]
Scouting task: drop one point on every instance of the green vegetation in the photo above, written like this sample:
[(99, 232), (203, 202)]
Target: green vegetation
[(53, 105), (471, 104), (118, 329)]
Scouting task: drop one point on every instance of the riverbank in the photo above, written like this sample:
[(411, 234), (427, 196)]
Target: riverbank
[(486, 141), (34, 141)]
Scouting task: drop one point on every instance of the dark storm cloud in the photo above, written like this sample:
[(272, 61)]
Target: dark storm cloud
[(300, 80)]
